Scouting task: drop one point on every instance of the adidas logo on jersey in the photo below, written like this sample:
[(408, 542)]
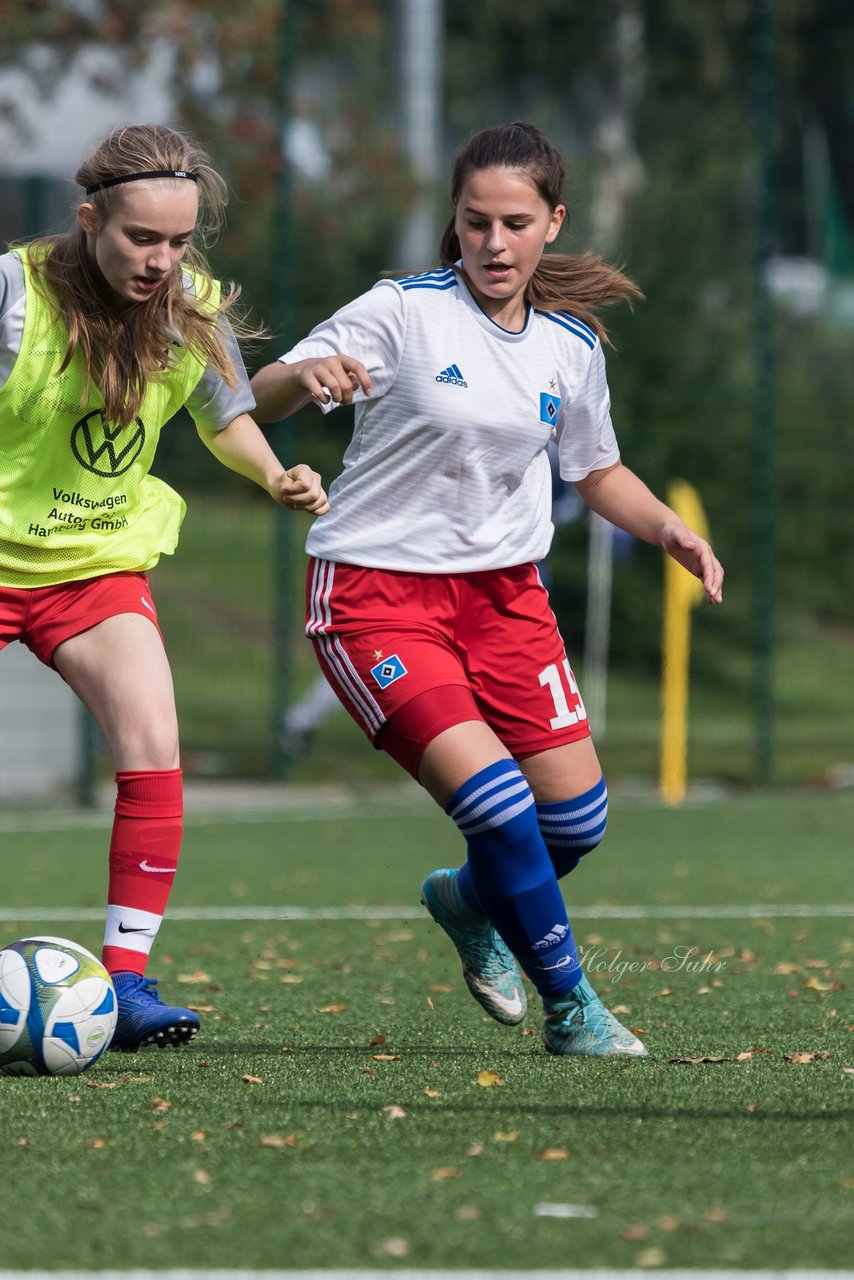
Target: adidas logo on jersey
[(452, 375)]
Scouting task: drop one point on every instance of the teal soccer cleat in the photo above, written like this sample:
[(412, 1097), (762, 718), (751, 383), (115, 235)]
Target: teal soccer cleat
[(578, 1024), (144, 1018), (491, 973)]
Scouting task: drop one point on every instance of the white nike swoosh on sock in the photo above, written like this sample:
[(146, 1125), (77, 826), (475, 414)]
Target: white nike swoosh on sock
[(144, 866)]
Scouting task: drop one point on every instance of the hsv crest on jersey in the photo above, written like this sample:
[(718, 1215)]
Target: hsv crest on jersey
[(549, 406), (389, 670), (452, 375)]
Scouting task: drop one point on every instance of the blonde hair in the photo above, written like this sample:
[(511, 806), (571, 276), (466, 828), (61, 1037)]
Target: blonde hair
[(123, 343), (579, 284)]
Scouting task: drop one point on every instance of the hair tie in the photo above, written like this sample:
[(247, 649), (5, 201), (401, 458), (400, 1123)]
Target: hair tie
[(135, 177)]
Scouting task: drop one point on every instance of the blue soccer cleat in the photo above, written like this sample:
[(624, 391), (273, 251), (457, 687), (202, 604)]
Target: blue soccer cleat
[(579, 1025), (491, 973), (144, 1019)]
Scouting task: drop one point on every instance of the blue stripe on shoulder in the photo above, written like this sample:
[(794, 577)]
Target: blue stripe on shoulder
[(444, 278), (572, 325), (429, 284)]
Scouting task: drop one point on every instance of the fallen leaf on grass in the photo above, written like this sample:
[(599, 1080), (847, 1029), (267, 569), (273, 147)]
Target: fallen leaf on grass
[(440, 988), (467, 1213), (716, 1214), (694, 1061), (487, 1079), (202, 1177), (808, 1057), (377, 1040), (278, 1140), (385, 1057), (95, 1144), (198, 1135), (432, 1093), (395, 1247), (102, 1084), (634, 1231), (553, 1153), (652, 1257), (332, 1008), (476, 1149), (668, 1223), (208, 1220), (198, 976), (394, 1112), (160, 1104), (247, 1079), (511, 1136), (441, 1175)]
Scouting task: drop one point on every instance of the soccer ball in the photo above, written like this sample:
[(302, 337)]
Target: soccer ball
[(57, 1008)]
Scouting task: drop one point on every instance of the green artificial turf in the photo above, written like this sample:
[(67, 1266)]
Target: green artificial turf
[(347, 1104)]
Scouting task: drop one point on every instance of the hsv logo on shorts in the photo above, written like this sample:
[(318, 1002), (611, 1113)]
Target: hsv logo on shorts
[(389, 670)]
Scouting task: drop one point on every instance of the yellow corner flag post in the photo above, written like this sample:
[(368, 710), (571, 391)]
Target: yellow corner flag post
[(682, 593)]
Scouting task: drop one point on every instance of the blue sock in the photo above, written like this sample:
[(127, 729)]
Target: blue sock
[(510, 878), (574, 827)]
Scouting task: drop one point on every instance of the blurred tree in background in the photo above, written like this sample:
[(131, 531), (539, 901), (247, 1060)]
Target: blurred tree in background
[(652, 102)]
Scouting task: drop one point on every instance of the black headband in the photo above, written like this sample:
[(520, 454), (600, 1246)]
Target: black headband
[(135, 177)]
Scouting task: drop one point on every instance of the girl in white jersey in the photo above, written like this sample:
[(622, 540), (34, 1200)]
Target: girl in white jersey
[(105, 332), (424, 603)]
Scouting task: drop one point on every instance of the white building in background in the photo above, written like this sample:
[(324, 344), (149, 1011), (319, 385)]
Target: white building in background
[(40, 731), (58, 126)]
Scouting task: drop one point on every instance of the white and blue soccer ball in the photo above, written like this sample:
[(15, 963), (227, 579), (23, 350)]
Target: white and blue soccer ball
[(57, 1008)]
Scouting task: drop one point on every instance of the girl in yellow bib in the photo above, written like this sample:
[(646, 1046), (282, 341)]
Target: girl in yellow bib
[(106, 331)]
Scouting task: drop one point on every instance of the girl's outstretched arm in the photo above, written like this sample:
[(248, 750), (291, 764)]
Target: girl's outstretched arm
[(242, 447), (618, 495)]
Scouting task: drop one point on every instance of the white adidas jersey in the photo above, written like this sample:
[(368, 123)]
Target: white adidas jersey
[(447, 471)]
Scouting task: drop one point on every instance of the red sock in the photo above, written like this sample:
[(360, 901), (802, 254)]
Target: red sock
[(144, 849)]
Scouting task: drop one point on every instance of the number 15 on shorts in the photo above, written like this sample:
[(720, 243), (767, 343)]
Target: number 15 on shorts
[(569, 708)]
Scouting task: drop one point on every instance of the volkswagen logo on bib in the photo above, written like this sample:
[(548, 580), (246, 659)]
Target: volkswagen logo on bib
[(104, 450)]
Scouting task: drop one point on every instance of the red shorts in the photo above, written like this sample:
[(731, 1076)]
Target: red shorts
[(42, 617), (385, 638)]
